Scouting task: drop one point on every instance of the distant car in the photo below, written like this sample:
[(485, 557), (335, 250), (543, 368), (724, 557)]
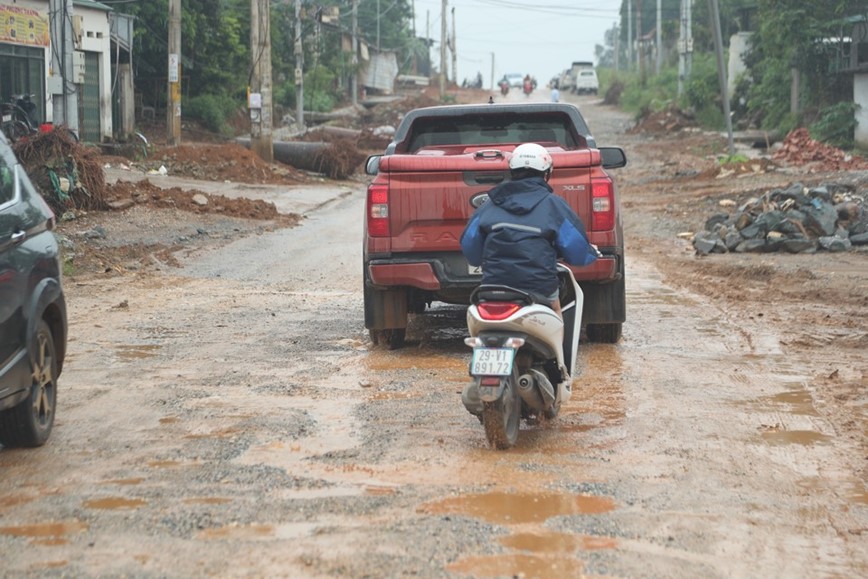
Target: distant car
[(586, 82), (33, 323), (515, 80)]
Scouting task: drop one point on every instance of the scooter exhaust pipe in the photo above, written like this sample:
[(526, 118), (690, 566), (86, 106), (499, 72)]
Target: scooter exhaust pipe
[(529, 392), (536, 390)]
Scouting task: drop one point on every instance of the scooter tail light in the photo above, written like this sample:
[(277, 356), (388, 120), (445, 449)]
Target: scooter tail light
[(378, 211), (497, 310)]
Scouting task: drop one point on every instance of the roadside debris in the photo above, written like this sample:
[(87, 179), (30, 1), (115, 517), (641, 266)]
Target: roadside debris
[(669, 120), (797, 219), (67, 174), (800, 149)]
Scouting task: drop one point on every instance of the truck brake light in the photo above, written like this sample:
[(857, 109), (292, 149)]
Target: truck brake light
[(378, 210), (602, 204)]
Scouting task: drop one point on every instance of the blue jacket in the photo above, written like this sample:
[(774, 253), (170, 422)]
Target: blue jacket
[(518, 235)]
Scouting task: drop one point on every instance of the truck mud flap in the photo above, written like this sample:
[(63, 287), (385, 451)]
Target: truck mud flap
[(385, 309)]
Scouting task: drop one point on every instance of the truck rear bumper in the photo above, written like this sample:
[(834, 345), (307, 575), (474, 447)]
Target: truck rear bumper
[(418, 275), (433, 276)]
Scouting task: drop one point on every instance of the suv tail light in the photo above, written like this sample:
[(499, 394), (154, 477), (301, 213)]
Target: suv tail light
[(378, 210), (497, 310), (602, 204)]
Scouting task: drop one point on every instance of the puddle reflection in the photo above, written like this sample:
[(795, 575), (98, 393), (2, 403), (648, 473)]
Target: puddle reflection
[(136, 351), (802, 437), (115, 503), (519, 508), (518, 565), (556, 542), (45, 533)]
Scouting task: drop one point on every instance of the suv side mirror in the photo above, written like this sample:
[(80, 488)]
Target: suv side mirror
[(613, 157), (372, 165)]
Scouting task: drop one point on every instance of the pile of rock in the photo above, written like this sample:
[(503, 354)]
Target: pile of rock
[(796, 219), (800, 149)]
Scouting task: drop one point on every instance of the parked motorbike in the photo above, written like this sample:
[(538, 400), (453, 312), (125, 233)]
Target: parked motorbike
[(524, 356), (19, 117)]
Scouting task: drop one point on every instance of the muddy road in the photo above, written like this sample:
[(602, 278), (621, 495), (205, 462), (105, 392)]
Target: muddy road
[(230, 417)]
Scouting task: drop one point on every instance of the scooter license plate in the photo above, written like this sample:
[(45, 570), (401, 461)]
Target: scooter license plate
[(7, 118), (492, 361)]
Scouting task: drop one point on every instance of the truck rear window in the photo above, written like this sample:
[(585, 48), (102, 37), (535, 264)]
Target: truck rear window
[(552, 129)]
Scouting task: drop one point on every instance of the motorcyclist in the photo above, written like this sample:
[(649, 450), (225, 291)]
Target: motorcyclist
[(521, 232)]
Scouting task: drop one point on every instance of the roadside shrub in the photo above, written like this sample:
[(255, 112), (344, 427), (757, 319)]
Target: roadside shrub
[(212, 111), (284, 94), (319, 90), (836, 125), (657, 93)]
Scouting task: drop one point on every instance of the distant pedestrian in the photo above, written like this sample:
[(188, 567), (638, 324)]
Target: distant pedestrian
[(556, 95)]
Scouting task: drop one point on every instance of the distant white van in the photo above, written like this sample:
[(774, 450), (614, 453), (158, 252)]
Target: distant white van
[(586, 82)]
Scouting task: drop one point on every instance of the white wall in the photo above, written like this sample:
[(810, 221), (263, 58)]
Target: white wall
[(739, 44), (860, 97), (96, 37)]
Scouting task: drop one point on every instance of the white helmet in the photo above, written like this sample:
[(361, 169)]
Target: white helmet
[(530, 156)]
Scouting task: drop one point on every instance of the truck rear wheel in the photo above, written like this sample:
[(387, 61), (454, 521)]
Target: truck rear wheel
[(392, 339), (604, 333), (386, 316)]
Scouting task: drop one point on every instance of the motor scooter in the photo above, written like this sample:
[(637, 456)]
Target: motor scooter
[(524, 356), (528, 87), (504, 87)]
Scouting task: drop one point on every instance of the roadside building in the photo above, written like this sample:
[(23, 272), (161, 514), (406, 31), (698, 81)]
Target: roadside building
[(101, 41)]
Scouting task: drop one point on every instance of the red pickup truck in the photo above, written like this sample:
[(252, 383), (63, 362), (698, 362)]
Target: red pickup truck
[(434, 174)]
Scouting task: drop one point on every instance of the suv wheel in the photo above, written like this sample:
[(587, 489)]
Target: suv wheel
[(30, 422)]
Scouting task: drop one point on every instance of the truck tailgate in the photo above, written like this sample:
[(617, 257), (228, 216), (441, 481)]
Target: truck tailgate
[(429, 194)]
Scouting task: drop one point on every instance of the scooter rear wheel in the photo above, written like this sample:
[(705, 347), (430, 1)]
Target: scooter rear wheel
[(501, 418)]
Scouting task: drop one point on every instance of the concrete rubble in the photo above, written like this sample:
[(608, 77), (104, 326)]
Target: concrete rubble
[(798, 219)]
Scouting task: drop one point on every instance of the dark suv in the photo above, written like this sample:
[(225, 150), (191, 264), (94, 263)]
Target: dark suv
[(32, 309)]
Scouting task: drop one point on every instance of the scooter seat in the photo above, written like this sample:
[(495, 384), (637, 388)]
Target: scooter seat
[(498, 293)]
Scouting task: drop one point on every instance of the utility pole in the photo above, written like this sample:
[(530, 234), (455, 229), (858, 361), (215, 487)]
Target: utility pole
[(454, 50), (64, 93), (299, 68), (630, 35), (641, 51), (492, 71), (688, 62), (354, 79), (261, 141), (415, 38), (616, 42), (443, 49), (659, 35), (685, 45), (173, 111), (682, 47), (721, 70)]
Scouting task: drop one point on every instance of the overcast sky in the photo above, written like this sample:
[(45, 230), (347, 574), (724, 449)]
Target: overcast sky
[(537, 37)]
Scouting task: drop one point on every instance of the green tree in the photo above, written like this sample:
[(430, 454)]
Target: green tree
[(214, 47), (793, 35)]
